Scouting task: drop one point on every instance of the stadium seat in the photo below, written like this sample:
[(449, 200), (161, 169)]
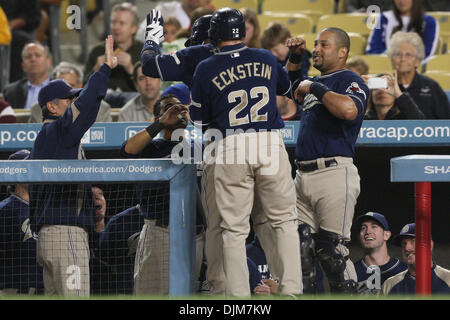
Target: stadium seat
[(357, 43), (237, 4), (443, 78), (439, 63), (309, 38), (297, 23), (378, 63), (354, 22), (313, 8), (324, 6)]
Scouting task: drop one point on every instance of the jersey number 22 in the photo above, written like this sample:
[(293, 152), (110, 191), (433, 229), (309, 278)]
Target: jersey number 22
[(242, 97)]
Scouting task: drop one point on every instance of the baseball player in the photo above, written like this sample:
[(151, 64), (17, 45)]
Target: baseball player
[(327, 181), (180, 65), (256, 254), (405, 282), (236, 88), (63, 214), (376, 265), (153, 246), (117, 251), (19, 271)]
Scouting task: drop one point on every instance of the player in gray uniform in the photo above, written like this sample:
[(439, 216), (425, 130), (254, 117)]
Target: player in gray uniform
[(327, 181), (235, 89)]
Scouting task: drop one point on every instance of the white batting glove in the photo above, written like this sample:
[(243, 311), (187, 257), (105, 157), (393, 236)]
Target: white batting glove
[(154, 30)]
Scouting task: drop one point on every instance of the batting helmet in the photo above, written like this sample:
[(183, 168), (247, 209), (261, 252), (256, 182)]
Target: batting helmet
[(226, 24), (199, 31)]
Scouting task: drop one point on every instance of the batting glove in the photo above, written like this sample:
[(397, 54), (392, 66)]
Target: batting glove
[(154, 30)]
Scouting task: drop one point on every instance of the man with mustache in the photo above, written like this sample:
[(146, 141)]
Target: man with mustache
[(327, 182), (405, 282)]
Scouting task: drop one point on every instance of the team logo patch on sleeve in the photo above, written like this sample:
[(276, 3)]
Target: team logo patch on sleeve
[(354, 88)]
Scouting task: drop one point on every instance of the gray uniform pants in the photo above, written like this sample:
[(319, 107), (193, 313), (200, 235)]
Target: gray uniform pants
[(260, 175)]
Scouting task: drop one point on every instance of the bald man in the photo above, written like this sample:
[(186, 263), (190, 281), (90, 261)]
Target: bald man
[(327, 182)]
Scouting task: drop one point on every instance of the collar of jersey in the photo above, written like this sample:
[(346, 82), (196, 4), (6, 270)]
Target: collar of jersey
[(326, 75), (230, 49)]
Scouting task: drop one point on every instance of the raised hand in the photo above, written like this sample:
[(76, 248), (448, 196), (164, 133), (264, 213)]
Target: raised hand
[(110, 59), (154, 30), (174, 114), (296, 45)]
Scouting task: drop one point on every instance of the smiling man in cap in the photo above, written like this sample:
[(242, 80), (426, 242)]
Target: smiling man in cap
[(63, 214), (376, 265), (405, 282)]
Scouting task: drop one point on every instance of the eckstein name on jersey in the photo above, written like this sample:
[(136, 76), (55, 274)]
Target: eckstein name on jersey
[(242, 71)]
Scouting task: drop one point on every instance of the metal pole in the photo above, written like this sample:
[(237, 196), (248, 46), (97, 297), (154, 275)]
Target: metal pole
[(423, 237)]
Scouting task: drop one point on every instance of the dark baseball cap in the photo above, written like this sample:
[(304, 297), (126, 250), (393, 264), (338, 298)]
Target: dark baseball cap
[(378, 217), (20, 155), (408, 231), (180, 90), (56, 89)]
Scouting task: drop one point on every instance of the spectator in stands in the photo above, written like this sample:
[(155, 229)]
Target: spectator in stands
[(23, 17), (376, 265), (362, 5), (406, 50), (357, 65), (391, 103), (36, 63), (406, 16), (140, 108), (19, 270), (252, 29), (171, 27), (436, 5), (124, 25), (73, 75), (273, 39), (405, 282), (6, 113)]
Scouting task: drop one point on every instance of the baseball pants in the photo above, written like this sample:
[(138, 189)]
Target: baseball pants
[(151, 267), (229, 194), (63, 252), (326, 199)]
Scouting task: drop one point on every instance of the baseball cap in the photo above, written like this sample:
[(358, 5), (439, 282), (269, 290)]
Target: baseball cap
[(181, 91), (408, 230), (56, 89), (378, 217), (20, 155)]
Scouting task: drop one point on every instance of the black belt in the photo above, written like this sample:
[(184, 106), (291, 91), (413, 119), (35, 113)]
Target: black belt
[(313, 166)]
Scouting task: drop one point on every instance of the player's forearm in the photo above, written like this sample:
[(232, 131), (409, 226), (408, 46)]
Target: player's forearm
[(137, 143), (148, 59), (341, 106)]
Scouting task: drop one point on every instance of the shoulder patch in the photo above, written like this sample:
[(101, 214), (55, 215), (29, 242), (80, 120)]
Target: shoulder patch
[(354, 88)]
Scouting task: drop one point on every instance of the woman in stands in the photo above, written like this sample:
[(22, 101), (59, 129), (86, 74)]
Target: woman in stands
[(406, 51), (409, 16), (252, 28), (391, 103)]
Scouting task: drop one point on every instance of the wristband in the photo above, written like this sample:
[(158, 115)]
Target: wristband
[(155, 128), (318, 89), (295, 58)]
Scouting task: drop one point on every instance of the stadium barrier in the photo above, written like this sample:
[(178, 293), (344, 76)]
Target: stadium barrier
[(182, 198)]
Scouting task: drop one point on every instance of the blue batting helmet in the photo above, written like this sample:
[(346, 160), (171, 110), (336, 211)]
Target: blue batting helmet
[(199, 31), (226, 24)]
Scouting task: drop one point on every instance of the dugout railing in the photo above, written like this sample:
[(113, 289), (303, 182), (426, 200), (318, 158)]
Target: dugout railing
[(182, 206)]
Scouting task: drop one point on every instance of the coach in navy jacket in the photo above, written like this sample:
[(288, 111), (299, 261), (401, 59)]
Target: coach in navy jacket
[(63, 214)]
